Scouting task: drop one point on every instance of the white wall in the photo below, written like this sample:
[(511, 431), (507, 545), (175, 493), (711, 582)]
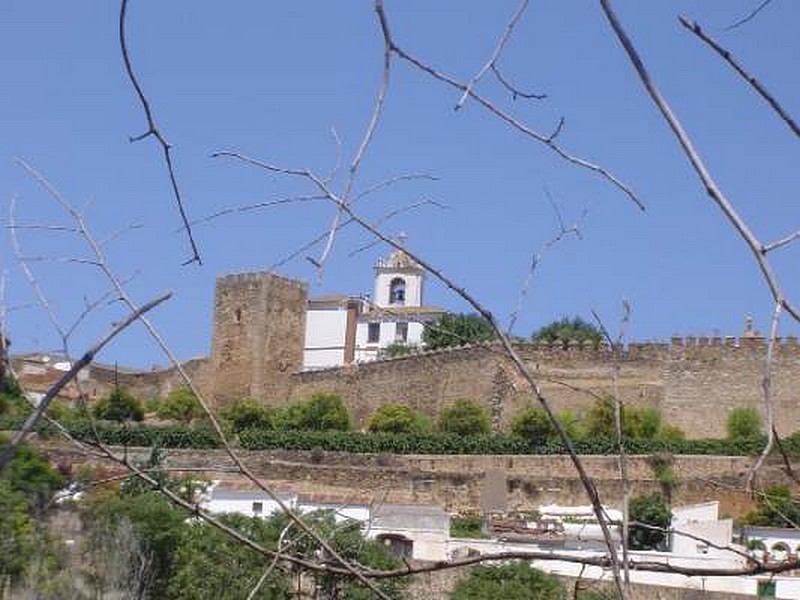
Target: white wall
[(325, 337)]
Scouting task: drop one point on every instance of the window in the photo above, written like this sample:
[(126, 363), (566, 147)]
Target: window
[(397, 291), (258, 508), (373, 333), (401, 333)]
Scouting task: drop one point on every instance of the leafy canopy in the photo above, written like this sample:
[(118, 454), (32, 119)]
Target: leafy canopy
[(775, 508), (743, 422), (532, 422), (119, 405), (513, 581), (180, 405), (453, 329), (464, 417), (249, 414), (399, 418), (567, 330), (321, 412), (650, 510)]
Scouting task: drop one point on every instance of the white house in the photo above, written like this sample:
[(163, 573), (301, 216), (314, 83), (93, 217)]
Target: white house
[(341, 330)]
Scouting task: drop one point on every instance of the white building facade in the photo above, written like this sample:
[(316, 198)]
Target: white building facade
[(342, 330)]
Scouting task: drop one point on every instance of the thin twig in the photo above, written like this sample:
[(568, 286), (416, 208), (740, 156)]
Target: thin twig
[(154, 131), (695, 28), (501, 114), (490, 64), (749, 16)]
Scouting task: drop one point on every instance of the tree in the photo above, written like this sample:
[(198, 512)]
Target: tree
[(321, 412), (637, 423), (17, 534), (532, 422), (464, 417), (651, 510), (743, 422), (210, 564), (398, 418), (567, 330), (453, 329), (180, 405), (31, 476), (249, 414), (776, 507), (119, 405), (513, 581)]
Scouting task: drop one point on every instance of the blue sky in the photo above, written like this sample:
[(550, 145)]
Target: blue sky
[(271, 79)]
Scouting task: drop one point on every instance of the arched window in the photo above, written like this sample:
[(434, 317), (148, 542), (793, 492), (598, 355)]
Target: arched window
[(397, 291), (780, 551)]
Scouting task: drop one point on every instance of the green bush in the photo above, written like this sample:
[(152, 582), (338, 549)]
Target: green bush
[(532, 422), (776, 507), (396, 349), (671, 433), (649, 510), (567, 330), (466, 527), (180, 405), (119, 405), (743, 422), (398, 418), (637, 423), (456, 330), (510, 581), (249, 414), (463, 417), (321, 412)]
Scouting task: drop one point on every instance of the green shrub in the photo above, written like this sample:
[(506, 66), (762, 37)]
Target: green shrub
[(510, 581), (776, 507), (398, 418), (464, 417), (567, 330), (532, 422), (650, 510), (571, 424), (743, 422), (466, 527), (637, 423), (249, 414), (396, 349), (321, 412), (180, 405), (456, 330), (671, 433), (119, 405)]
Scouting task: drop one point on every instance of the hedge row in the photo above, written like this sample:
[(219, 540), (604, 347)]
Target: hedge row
[(177, 436), (181, 436), (437, 443)]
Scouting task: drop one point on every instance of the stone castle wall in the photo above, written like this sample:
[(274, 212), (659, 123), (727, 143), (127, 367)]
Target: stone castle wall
[(257, 352)]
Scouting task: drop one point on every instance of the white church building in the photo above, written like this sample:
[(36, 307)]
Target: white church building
[(342, 330)]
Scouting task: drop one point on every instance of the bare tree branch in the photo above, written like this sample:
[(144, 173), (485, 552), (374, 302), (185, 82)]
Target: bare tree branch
[(153, 130), (766, 390), (502, 115), (695, 28), (490, 64), (699, 166), (749, 16)]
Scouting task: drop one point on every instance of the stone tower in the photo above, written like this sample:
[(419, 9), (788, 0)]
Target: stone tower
[(259, 328)]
